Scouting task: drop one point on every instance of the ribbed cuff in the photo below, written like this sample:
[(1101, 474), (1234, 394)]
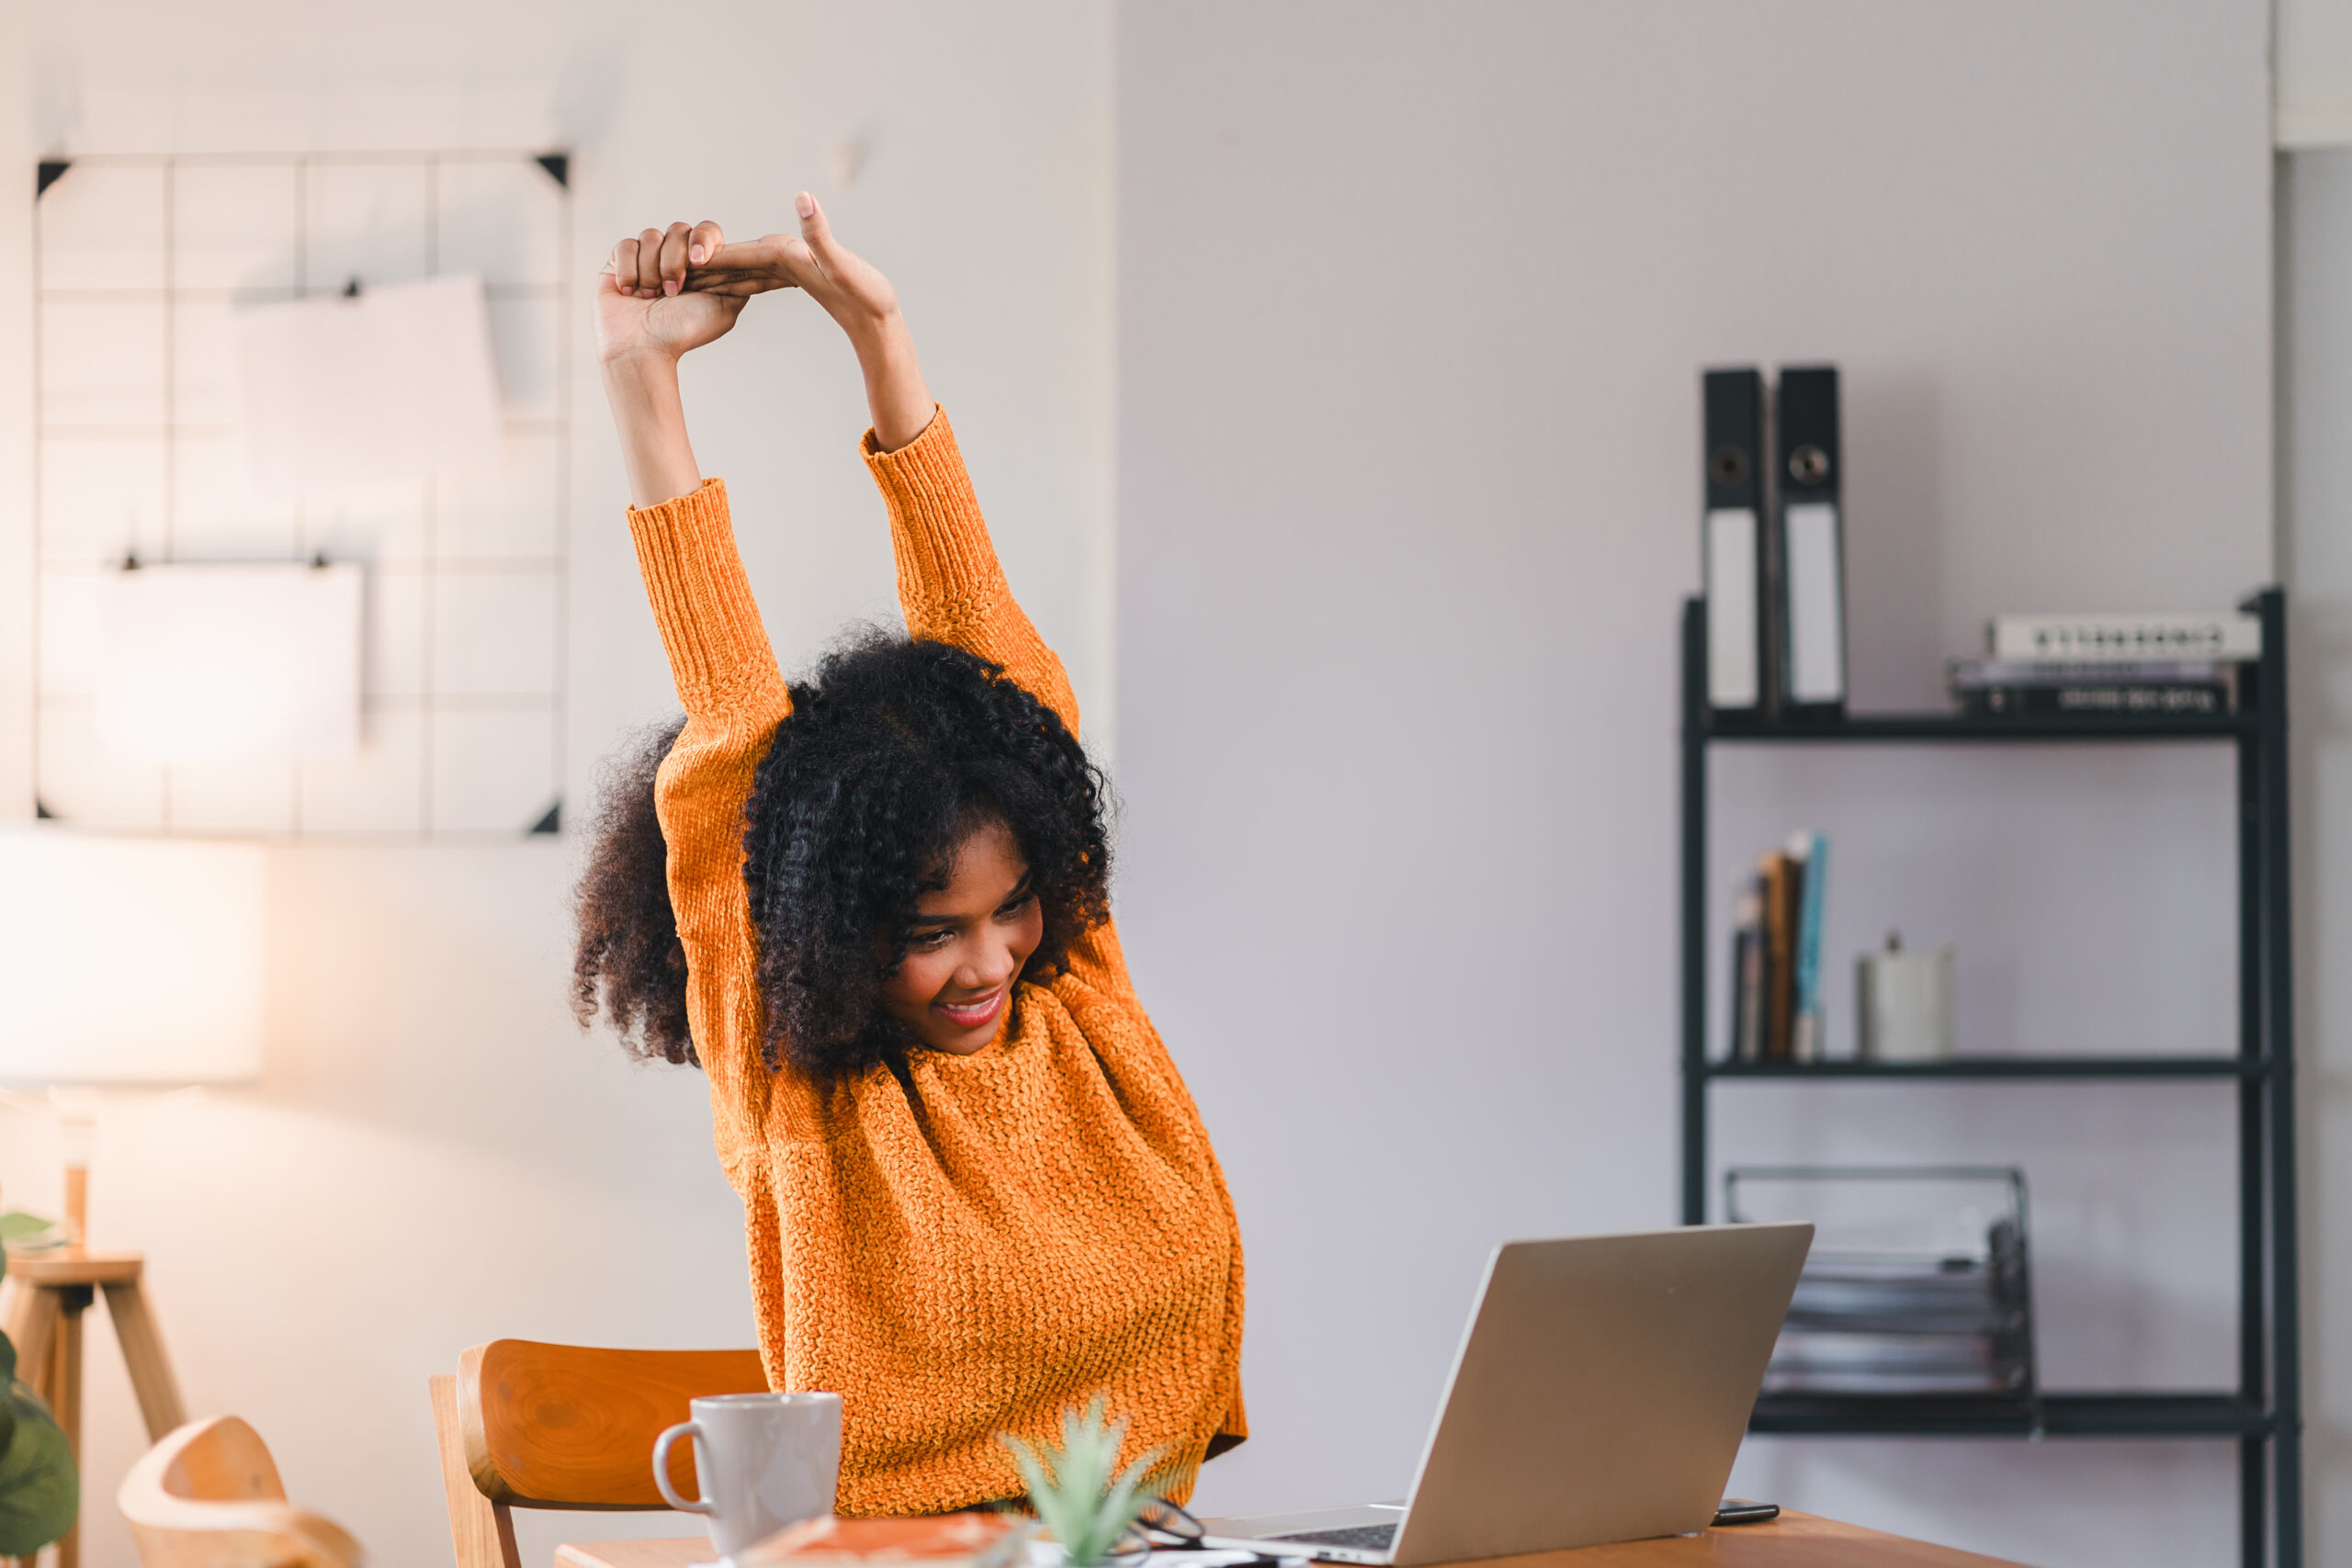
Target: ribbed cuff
[(936, 530), (702, 600)]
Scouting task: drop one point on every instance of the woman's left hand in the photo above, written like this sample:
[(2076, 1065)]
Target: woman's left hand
[(853, 291)]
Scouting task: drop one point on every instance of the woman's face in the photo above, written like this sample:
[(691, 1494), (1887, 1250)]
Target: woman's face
[(970, 939)]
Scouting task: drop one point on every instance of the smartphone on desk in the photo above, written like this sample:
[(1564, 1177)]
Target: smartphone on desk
[(1741, 1511)]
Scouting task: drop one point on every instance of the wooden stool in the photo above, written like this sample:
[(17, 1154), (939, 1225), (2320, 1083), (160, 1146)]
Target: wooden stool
[(47, 1293)]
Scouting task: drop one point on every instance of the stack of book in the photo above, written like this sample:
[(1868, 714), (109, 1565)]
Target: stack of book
[(2134, 665), (1776, 954)]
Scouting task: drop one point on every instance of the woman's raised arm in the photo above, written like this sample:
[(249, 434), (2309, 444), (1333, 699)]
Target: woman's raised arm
[(950, 584), (644, 321)]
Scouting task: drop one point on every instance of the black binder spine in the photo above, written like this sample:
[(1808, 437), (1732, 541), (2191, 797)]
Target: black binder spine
[(1732, 540), (1807, 545)]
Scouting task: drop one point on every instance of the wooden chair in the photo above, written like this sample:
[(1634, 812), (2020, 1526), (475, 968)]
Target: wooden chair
[(531, 1426), (209, 1497)]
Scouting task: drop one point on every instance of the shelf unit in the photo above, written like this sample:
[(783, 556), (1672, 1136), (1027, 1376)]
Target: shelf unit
[(2264, 1412)]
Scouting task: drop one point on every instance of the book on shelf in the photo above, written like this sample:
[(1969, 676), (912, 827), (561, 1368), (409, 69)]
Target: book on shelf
[(2093, 686), (1747, 971), (1967, 674), (1776, 954), (2135, 701), (2227, 635), (1811, 853), (1779, 875)]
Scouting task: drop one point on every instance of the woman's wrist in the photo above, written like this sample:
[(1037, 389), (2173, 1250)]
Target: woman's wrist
[(896, 395), (637, 363), (643, 389), (876, 335)]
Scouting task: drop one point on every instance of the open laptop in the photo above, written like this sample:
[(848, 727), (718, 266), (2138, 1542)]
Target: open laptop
[(1600, 1394)]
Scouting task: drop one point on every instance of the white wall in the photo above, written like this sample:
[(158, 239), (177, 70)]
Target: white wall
[(436, 1156), (1412, 301), (2314, 56), (2315, 553)]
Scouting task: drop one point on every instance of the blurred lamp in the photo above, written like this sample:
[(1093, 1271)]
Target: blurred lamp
[(126, 961)]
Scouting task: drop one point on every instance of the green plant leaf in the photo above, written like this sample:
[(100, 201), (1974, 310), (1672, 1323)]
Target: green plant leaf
[(17, 1223), (39, 1493), (8, 1374), (1083, 1504)]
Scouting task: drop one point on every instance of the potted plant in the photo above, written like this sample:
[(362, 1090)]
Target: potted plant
[(1085, 1503), (39, 1493)]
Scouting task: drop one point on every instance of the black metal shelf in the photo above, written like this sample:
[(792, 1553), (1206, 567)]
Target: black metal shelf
[(1944, 727), (2054, 1416), (2263, 1414), (1997, 1067)]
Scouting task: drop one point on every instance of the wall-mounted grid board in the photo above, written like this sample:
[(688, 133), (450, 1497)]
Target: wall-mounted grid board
[(140, 263)]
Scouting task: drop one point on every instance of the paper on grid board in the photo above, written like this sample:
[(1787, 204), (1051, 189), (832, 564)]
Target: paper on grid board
[(229, 663), (394, 383)]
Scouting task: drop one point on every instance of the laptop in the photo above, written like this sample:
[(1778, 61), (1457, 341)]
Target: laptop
[(1600, 1394)]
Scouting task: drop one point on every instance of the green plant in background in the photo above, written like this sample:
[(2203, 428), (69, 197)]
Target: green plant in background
[(1083, 1503), (39, 1493), (27, 1233)]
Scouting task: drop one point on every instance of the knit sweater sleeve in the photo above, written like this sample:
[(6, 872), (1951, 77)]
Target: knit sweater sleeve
[(949, 582), (734, 696)]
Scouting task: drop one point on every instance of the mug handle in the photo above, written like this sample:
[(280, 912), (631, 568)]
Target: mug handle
[(662, 1446)]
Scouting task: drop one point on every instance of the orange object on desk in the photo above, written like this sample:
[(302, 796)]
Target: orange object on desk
[(1792, 1541), (938, 1542)]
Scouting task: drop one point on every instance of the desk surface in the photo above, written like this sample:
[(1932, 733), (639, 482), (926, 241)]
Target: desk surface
[(1792, 1541)]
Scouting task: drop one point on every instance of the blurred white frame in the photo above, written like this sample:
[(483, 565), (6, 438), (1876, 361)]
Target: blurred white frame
[(392, 383), (220, 664)]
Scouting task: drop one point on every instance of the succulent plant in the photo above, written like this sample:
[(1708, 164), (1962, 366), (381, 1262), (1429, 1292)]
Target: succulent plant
[(1081, 1496), (39, 1495)]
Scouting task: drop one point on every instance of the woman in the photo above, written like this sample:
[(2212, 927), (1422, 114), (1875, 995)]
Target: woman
[(873, 907)]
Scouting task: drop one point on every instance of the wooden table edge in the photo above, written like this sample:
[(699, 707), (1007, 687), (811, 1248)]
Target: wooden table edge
[(1791, 1539)]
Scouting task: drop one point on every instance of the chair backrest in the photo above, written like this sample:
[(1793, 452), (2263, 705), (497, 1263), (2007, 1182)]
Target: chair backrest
[(530, 1426), (209, 1497)]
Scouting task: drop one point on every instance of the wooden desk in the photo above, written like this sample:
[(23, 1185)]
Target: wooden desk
[(1792, 1541)]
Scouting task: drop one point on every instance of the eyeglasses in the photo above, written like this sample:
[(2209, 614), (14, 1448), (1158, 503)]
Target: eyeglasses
[(1163, 1526)]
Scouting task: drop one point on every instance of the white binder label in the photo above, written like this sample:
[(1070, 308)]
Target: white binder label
[(1817, 606), (1731, 608)]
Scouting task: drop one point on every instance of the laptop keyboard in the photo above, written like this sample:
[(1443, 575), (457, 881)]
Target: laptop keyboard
[(1363, 1538)]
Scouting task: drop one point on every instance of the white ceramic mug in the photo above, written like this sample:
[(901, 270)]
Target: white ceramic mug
[(762, 1461)]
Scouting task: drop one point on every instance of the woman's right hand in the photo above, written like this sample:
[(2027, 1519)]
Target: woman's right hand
[(642, 309)]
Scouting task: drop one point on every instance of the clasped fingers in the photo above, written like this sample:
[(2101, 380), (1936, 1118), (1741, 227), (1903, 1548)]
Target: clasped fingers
[(656, 263)]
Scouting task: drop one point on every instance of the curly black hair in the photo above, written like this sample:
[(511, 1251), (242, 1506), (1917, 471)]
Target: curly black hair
[(897, 749)]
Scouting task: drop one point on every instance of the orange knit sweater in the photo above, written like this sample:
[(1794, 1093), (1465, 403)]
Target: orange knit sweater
[(1019, 1229)]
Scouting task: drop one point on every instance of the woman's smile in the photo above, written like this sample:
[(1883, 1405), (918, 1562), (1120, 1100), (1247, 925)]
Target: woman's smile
[(972, 1014)]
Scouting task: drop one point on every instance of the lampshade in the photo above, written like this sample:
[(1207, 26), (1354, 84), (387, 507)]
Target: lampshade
[(129, 960)]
